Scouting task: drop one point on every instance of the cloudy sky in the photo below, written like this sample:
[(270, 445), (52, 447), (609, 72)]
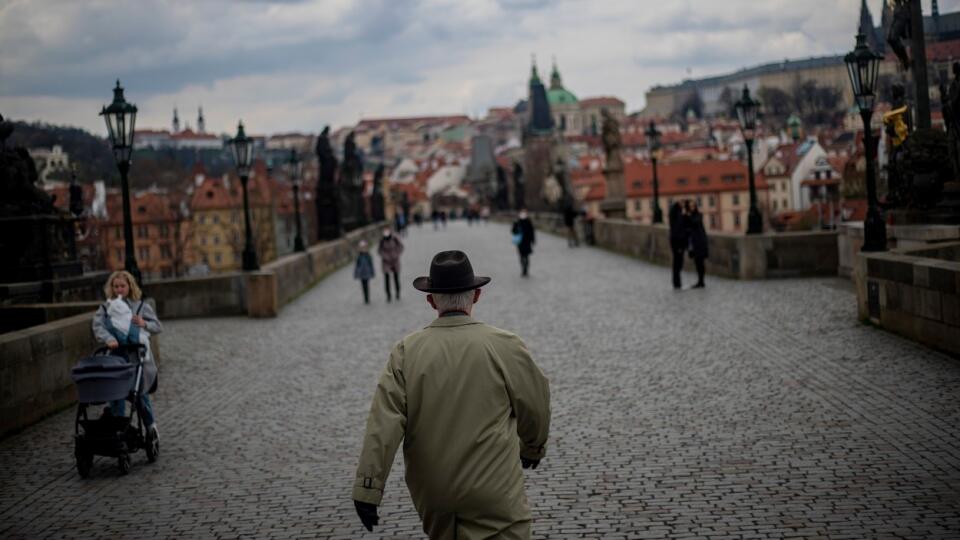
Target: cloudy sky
[(292, 65)]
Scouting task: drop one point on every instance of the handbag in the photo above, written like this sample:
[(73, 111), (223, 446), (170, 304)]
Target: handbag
[(517, 238)]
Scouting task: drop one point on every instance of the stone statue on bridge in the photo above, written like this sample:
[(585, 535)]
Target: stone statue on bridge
[(328, 195), (351, 185)]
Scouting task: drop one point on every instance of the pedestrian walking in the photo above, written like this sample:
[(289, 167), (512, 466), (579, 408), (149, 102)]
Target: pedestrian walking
[(570, 221), (363, 270), (125, 319), (389, 249), (524, 238), (679, 240), (471, 408), (699, 244)]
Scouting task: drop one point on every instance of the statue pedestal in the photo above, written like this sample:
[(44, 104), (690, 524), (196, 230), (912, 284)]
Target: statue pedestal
[(41, 247), (614, 208)]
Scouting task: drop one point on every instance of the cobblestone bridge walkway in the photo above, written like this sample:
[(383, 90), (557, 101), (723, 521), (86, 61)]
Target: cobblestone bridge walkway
[(745, 410)]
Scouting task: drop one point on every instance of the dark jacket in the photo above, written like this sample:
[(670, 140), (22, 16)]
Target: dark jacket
[(699, 245), (528, 239), (364, 267), (679, 230)]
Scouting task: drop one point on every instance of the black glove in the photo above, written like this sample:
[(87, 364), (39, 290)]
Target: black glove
[(529, 463), (368, 514)]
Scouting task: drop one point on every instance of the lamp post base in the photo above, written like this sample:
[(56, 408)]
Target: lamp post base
[(657, 214), (754, 221), (874, 231), (250, 260)]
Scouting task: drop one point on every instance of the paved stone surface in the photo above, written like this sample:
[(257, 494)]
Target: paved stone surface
[(746, 410)]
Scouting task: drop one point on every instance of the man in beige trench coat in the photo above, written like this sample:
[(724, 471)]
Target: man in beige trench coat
[(471, 407)]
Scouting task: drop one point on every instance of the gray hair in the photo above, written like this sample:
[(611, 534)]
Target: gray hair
[(461, 301)]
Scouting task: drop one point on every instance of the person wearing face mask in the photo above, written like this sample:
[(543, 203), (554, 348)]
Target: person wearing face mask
[(389, 249)]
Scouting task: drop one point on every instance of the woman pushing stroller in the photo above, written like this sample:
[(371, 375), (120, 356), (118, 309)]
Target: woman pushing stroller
[(125, 319)]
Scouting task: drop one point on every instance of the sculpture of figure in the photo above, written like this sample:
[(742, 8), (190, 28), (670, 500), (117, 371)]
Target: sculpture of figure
[(519, 199), (376, 198), (76, 195), (896, 124), (900, 30), (951, 117), (328, 162), (502, 198), (611, 136), (352, 167), (328, 196)]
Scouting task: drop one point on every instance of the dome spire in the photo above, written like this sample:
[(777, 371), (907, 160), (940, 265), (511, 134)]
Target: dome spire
[(555, 82)]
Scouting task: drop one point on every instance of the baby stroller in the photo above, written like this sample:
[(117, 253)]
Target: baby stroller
[(108, 375)]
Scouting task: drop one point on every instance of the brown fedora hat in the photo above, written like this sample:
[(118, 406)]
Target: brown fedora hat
[(450, 272)]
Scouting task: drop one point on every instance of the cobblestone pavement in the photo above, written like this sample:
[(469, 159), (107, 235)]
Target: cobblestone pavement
[(745, 410)]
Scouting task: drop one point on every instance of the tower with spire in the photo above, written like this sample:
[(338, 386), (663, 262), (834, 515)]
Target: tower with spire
[(867, 28), (176, 121), (201, 125)]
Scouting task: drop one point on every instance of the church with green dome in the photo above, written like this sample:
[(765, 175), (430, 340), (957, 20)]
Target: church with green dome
[(572, 116)]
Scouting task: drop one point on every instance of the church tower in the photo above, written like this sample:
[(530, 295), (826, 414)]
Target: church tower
[(201, 125), (176, 121)]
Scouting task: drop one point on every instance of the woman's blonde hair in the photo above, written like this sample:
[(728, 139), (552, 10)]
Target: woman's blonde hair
[(135, 293)]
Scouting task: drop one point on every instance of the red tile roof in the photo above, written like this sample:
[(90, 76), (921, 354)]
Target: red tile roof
[(601, 101), (688, 178)]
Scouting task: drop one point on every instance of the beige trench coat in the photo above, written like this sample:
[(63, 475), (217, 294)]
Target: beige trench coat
[(467, 400)]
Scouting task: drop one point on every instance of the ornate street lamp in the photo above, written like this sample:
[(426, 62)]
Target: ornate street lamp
[(747, 114), (295, 180), (242, 147), (863, 66), (653, 146), (120, 117)]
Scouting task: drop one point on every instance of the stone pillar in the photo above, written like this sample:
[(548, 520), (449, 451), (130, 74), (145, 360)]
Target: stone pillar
[(536, 169), (614, 205)]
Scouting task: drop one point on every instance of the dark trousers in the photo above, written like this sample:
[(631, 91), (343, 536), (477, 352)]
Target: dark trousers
[(396, 283), (365, 283), (525, 263), (677, 266), (701, 269)]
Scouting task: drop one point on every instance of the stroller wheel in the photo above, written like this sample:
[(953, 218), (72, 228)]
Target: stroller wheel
[(84, 458), (123, 462), (152, 446)]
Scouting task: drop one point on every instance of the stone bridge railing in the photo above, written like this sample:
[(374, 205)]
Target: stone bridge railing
[(35, 362), (738, 256)]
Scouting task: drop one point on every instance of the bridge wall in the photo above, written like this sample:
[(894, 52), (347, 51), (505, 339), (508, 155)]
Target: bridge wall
[(738, 256), (35, 366), (914, 293), (35, 362)]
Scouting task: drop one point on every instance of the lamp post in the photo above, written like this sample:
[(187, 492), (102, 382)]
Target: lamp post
[(242, 147), (863, 66), (295, 180), (120, 117), (747, 115), (653, 145)]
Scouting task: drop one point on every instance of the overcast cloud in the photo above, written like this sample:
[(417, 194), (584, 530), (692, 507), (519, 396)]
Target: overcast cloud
[(291, 65)]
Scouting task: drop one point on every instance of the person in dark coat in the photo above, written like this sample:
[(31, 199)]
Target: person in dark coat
[(524, 228), (699, 245), (570, 220), (679, 240), (363, 270)]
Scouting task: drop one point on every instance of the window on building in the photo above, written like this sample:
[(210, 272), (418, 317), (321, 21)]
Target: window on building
[(711, 201), (699, 201), (216, 240), (638, 184), (217, 258), (119, 254), (736, 199), (681, 181), (119, 231), (203, 220), (713, 221), (563, 122), (142, 209), (144, 253), (142, 231), (736, 220), (636, 205), (816, 175), (829, 174), (704, 180), (165, 252), (203, 240), (164, 230), (774, 204), (216, 219)]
